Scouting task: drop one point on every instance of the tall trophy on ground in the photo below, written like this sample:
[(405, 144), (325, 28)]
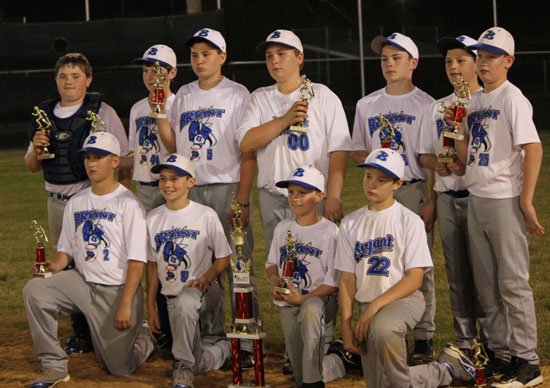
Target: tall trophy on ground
[(41, 240), (98, 125), (450, 132), (159, 93), (306, 95), (479, 360), (44, 124), (244, 315), (387, 132), (289, 264)]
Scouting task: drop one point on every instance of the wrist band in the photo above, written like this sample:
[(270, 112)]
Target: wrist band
[(242, 204)]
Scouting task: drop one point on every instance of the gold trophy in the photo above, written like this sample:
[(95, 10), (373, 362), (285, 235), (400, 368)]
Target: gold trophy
[(289, 264), (44, 125), (479, 360), (386, 132), (41, 240), (450, 133), (306, 95), (97, 123), (159, 94)]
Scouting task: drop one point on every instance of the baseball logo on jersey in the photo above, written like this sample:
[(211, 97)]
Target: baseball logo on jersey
[(147, 135), (305, 253), (480, 144), (174, 254), (373, 251), (200, 130), (93, 232)]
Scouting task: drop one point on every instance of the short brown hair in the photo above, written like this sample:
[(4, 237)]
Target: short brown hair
[(74, 59)]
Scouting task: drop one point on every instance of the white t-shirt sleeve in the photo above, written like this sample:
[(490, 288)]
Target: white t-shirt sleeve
[(217, 237), (114, 125), (336, 124), (427, 127), (332, 276), (134, 228), (416, 253), (66, 238), (251, 117), (519, 113), (273, 255), (360, 139), (132, 128), (344, 260)]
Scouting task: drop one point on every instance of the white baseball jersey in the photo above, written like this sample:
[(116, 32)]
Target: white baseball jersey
[(315, 249), (112, 125), (379, 247), (431, 140), (102, 232), (205, 123), (499, 123), (144, 140), (183, 242), (404, 112), (326, 131)]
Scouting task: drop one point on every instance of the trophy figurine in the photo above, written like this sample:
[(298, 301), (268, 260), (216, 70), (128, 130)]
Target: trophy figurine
[(44, 125), (386, 132), (306, 95), (244, 315), (479, 360), (450, 133), (41, 240), (97, 124), (289, 264), (159, 93)]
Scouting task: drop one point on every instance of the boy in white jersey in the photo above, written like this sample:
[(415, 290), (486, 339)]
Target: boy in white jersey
[(382, 254), (265, 129), (202, 126), (503, 159), (184, 236), (452, 196), (104, 233), (312, 300), (403, 105)]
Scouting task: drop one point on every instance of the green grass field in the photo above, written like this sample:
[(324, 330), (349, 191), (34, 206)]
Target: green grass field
[(23, 198)]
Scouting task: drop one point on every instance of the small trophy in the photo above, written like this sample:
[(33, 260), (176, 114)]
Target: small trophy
[(450, 133), (159, 94), (244, 313), (97, 124), (306, 94), (386, 132), (479, 360), (289, 264), (41, 240), (44, 125)]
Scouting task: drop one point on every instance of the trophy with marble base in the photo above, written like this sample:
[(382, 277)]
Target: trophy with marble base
[(159, 94), (244, 316), (306, 95), (289, 265), (44, 124), (41, 240), (97, 124), (479, 359)]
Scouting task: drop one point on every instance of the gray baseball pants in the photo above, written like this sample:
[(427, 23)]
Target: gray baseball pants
[(67, 292), (500, 258), (149, 196)]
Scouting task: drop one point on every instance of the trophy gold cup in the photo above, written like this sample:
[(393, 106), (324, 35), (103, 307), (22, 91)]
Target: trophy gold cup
[(450, 132), (306, 95), (44, 125), (41, 240), (98, 125), (244, 313), (159, 93), (386, 132), (479, 360), (289, 264)]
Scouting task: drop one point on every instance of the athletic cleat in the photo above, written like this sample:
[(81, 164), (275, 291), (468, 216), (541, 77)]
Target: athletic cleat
[(423, 352), (456, 362), (77, 345), (521, 374), (50, 377), (318, 384), (183, 375), (352, 361), (496, 368), (163, 340), (247, 360)]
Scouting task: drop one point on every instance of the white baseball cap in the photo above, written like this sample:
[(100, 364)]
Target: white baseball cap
[(305, 176), (102, 143), (386, 160), (207, 35), (178, 163), (460, 42), (160, 53), (402, 42), (495, 40), (285, 37)]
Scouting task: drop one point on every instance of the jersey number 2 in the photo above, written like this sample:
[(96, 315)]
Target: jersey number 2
[(379, 266)]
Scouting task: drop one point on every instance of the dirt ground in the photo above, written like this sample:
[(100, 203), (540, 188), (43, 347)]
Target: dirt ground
[(19, 367)]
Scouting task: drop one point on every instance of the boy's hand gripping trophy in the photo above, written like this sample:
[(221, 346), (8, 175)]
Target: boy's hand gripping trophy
[(98, 125), (450, 133), (159, 93), (44, 125), (306, 95), (289, 264), (244, 314), (386, 132), (41, 240)]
